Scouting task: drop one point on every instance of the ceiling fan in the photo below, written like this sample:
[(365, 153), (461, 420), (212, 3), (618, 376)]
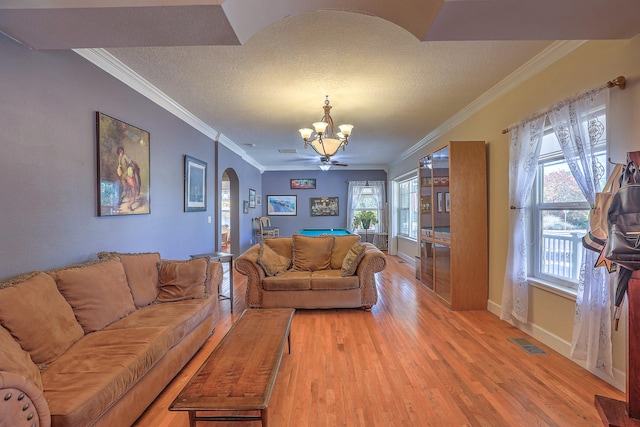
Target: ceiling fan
[(328, 161)]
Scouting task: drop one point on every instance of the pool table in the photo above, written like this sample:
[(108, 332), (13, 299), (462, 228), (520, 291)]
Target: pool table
[(320, 231)]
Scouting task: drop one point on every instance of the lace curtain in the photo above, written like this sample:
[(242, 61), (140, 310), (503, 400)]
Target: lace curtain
[(524, 151), (579, 129), (356, 188)]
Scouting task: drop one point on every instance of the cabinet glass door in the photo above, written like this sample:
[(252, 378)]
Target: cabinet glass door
[(426, 196), (441, 216), (426, 262), (443, 271)]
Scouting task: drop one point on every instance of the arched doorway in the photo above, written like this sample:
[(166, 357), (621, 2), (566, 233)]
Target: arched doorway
[(229, 232)]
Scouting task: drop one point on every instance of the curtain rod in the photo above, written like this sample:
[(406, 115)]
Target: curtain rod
[(619, 81)]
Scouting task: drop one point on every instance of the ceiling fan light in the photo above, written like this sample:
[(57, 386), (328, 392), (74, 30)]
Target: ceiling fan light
[(325, 166)]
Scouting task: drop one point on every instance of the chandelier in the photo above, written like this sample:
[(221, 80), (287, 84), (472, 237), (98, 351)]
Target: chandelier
[(325, 141)]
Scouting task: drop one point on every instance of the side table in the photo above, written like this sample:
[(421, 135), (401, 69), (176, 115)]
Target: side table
[(221, 257)]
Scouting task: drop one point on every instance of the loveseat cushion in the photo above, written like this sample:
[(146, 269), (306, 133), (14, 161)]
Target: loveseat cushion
[(290, 281), (183, 279), (272, 263), (281, 245), (14, 359), (97, 291), (38, 317), (97, 370), (332, 280), (141, 270), (352, 259), (340, 249), (312, 253)]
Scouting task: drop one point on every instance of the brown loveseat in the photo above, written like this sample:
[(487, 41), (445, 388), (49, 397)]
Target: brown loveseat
[(312, 272), (95, 343)]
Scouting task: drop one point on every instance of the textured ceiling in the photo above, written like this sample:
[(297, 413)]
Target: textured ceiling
[(254, 72)]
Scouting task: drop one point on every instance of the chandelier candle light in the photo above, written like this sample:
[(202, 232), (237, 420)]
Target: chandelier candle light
[(325, 141)]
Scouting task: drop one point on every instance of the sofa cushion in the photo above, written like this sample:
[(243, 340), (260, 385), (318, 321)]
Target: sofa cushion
[(352, 259), (99, 369), (38, 317), (281, 245), (341, 246), (141, 270), (290, 281), (97, 291), (272, 263), (312, 253), (14, 359), (185, 316), (332, 280), (183, 279)]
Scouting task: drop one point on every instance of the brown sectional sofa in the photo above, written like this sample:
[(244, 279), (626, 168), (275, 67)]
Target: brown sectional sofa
[(94, 344), (311, 272)]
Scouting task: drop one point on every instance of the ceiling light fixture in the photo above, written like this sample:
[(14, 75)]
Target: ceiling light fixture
[(325, 166), (325, 141)]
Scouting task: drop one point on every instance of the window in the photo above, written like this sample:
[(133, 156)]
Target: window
[(367, 201), (560, 215), (408, 208)]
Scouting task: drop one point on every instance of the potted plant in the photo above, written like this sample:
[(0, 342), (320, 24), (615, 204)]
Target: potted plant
[(365, 219)]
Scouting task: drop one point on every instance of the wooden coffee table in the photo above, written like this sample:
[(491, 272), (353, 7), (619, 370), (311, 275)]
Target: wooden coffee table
[(240, 372)]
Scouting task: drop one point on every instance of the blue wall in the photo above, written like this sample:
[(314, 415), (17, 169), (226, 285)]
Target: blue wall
[(332, 183)]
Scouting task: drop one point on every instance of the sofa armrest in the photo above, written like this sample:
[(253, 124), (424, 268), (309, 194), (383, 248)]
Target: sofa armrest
[(247, 264), (374, 261), (215, 278), (22, 402)]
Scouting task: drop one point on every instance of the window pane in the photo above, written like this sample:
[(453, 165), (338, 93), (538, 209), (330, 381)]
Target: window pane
[(558, 185)]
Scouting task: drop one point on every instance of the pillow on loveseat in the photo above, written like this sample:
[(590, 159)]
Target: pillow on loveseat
[(38, 317), (341, 246), (97, 291), (272, 263), (141, 270), (181, 280), (312, 253), (352, 259)]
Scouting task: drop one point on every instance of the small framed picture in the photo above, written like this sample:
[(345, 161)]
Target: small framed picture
[(245, 206), (440, 202), (447, 202), (252, 198), (303, 184), (195, 185)]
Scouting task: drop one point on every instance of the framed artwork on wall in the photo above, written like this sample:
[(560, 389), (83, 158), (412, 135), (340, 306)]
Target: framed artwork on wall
[(123, 167), (252, 198), (447, 202), (303, 184), (282, 205), (324, 206), (195, 184), (440, 202), (245, 206)]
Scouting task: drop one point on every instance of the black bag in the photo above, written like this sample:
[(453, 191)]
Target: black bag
[(623, 243)]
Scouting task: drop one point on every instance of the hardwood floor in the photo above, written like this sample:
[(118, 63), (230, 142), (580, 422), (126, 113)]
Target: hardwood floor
[(408, 362)]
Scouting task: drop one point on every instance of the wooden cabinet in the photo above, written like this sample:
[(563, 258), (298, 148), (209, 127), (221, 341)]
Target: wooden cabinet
[(453, 224)]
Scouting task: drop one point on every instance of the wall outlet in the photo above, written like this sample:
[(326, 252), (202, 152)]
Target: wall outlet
[(209, 219)]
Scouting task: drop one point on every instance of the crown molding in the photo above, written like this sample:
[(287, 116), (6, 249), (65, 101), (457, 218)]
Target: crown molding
[(112, 65), (535, 65)]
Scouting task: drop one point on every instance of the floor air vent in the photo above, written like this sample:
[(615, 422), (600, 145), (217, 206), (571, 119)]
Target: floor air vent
[(400, 262), (527, 346)]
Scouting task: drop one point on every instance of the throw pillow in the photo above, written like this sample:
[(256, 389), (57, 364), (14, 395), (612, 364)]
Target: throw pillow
[(312, 253), (272, 263), (340, 248), (97, 291), (182, 280), (141, 270), (352, 259), (38, 317), (14, 359)]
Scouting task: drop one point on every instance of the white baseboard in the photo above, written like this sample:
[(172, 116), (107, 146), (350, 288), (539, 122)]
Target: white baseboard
[(561, 346)]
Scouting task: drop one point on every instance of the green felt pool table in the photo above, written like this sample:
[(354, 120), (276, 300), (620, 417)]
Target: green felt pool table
[(320, 231)]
